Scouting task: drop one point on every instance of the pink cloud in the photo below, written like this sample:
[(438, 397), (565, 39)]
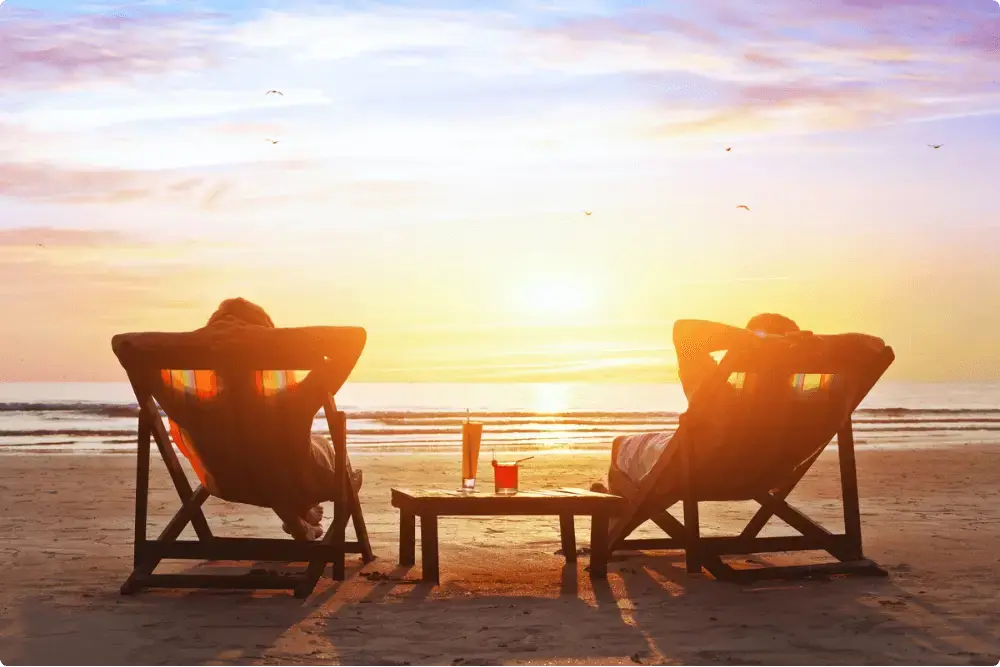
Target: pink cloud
[(70, 185), (39, 50), (244, 186), (636, 24), (839, 63), (765, 61), (47, 182), (59, 237)]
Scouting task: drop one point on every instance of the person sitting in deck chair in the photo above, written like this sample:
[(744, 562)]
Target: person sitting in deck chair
[(695, 341), (304, 526)]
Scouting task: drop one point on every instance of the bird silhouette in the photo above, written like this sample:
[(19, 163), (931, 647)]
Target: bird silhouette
[(935, 146), (743, 206), (274, 92), (587, 212), (272, 141), (729, 149)]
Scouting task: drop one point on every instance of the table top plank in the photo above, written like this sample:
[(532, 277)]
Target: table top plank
[(453, 502)]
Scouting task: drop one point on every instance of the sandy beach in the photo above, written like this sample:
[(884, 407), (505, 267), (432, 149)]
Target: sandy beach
[(930, 518)]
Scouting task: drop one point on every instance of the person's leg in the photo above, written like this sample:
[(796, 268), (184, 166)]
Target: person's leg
[(323, 453)]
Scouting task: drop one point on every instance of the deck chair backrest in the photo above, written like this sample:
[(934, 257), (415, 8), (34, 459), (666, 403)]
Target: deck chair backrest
[(241, 400), (766, 413)]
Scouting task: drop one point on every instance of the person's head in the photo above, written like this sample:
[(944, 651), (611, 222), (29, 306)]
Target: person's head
[(772, 323), (242, 310)]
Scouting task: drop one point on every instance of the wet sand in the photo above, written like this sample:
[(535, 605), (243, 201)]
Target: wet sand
[(930, 517)]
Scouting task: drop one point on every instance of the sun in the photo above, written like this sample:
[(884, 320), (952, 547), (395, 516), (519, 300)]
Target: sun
[(550, 298)]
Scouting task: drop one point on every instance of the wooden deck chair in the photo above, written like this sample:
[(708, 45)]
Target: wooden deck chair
[(245, 427), (751, 432)]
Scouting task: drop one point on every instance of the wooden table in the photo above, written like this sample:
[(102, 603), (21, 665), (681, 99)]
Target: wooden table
[(429, 504)]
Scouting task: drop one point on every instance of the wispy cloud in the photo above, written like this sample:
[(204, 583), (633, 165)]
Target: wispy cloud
[(794, 66), (51, 183), (58, 184), (21, 237), (41, 50)]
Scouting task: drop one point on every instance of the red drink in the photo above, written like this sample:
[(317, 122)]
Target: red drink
[(505, 478)]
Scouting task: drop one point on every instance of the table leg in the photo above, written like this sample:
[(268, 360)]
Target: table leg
[(429, 547), (599, 546), (407, 537), (567, 533)]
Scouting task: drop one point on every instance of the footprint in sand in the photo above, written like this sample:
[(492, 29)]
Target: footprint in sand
[(892, 603)]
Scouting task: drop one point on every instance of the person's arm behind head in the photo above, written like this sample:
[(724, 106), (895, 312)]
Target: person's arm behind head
[(696, 340)]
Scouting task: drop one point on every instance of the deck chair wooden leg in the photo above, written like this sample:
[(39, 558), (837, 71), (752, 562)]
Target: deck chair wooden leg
[(690, 499), (358, 519), (692, 555), (146, 559), (348, 501), (132, 583), (849, 491), (335, 544), (198, 520), (141, 488), (338, 539)]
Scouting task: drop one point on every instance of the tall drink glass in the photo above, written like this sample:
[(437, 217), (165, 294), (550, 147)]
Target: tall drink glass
[(472, 436)]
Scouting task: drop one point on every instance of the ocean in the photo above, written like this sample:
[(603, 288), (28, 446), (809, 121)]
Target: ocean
[(99, 418)]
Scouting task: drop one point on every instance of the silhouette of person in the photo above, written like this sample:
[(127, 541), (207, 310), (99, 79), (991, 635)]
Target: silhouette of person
[(694, 342), (300, 525)]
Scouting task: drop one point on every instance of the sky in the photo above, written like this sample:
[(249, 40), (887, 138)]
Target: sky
[(435, 162)]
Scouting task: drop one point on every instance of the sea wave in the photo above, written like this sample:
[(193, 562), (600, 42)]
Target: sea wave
[(111, 426), (131, 409)]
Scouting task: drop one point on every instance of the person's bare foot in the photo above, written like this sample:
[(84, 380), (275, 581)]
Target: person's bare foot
[(303, 532), (314, 516)]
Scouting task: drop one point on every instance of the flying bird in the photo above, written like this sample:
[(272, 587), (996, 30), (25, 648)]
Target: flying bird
[(743, 206), (731, 148), (40, 245), (587, 212), (273, 141), (936, 146), (274, 92)]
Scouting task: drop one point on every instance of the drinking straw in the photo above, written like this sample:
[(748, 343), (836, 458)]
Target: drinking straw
[(519, 460)]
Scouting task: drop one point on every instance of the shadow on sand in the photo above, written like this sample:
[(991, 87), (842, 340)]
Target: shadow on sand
[(649, 611)]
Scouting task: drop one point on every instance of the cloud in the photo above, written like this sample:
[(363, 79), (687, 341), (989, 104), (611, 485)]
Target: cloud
[(46, 182), (45, 50), (65, 185), (58, 237), (765, 61), (237, 188), (792, 66)]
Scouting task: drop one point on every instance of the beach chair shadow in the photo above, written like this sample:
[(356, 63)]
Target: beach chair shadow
[(245, 429), (699, 623), (479, 629), (751, 433)]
